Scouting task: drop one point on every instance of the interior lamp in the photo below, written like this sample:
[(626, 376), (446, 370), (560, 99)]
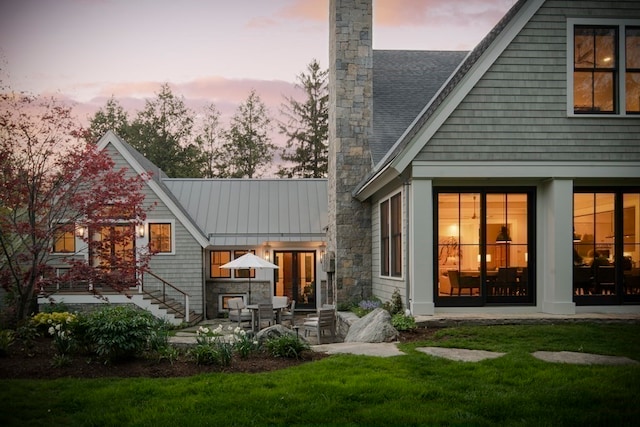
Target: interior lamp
[(503, 236)]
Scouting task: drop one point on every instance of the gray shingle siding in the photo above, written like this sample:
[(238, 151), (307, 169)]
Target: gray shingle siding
[(517, 111)]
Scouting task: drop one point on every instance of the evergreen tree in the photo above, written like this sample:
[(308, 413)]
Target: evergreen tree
[(307, 127), (248, 149), (162, 132), (111, 117), (209, 139)]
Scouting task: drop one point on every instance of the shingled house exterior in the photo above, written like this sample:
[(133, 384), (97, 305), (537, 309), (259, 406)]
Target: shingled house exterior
[(505, 179), (501, 180)]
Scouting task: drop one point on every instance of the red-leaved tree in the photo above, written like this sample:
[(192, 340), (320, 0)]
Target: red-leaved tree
[(52, 183)]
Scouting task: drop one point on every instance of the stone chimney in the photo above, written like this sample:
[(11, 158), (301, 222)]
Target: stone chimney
[(350, 123)]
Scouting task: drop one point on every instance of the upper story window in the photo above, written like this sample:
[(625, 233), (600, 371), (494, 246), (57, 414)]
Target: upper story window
[(605, 58), (64, 239), (160, 237), (391, 236)]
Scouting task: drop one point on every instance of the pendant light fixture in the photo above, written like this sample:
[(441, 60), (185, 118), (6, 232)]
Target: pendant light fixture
[(503, 236)]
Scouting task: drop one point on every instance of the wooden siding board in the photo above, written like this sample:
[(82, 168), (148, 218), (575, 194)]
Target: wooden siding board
[(518, 109)]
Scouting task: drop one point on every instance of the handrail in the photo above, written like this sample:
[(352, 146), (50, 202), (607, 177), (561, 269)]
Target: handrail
[(164, 293)]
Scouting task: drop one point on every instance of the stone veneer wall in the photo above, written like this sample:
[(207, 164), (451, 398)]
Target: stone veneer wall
[(350, 116)]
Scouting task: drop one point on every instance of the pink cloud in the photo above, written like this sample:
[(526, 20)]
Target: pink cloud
[(455, 13), (316, 10)]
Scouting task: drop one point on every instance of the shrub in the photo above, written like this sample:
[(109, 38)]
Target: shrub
[(286, 346), (403, 322), (395, 305), (117, 333), (63, 339), (55, 308), (6, 341)]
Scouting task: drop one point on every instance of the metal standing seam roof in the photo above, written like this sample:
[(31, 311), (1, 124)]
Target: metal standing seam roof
[(235, 212)]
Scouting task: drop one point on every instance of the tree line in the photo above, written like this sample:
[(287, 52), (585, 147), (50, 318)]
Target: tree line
[(167, 133)]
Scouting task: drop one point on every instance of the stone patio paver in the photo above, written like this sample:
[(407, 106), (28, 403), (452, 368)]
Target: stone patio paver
[(460, 354), (582, 358)]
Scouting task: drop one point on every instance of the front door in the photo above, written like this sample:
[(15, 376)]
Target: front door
[(296, 277)]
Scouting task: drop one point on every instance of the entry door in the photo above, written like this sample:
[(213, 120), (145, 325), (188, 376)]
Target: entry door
[(296, 277)]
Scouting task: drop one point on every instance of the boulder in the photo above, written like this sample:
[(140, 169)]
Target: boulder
[(374, 327), (274, 331)]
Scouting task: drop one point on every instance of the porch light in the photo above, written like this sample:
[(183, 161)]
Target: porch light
[(140, 230), (80, 230), (267, 249), (323, 249)]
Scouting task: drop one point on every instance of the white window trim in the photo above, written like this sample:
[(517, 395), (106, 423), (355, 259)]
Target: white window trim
[(388, 198), (621, 99), (147, 235)]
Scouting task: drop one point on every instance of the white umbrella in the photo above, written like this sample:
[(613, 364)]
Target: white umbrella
[(248, 260)]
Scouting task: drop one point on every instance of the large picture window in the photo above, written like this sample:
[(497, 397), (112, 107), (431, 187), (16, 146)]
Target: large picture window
[(606, 249), (606, 68), (483, 245), (391, 236)]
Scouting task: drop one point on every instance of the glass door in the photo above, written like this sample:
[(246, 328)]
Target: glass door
[(296, 277)]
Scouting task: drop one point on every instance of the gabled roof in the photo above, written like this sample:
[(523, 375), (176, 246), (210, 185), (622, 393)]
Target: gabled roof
[(142, 165), (403, 82), (254, 211), (413, 138), (235, 212)]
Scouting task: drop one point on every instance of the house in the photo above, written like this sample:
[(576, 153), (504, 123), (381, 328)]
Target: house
[(501, 180), (489, 181), (197, 225)]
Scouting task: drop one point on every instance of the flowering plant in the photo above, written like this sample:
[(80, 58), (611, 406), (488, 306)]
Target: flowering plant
[(243, 343)]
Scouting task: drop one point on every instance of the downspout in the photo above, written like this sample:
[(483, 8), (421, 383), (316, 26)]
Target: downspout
[(406, 185)]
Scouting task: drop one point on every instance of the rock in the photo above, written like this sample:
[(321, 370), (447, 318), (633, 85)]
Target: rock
[(274, 331), (374, 327)]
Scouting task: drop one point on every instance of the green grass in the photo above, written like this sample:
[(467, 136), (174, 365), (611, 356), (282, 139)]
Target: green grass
[(415, 389)]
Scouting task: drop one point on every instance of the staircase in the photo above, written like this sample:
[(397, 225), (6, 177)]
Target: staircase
[(167, 308)]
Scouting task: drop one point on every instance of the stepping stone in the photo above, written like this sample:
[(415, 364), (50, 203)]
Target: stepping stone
[(460, 354), (387, 349), (582, 358)]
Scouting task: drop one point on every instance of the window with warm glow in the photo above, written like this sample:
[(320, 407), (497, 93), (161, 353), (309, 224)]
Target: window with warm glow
[(245, 273), (160, 237), (64, 240), (219, 258), (606, 69)]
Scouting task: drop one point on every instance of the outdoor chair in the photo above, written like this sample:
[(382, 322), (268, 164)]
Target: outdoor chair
[(238, 311), (266, 315), (325, 321), (289, 314)]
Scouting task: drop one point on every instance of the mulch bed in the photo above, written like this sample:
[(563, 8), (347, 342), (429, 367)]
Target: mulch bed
[(35, 362)]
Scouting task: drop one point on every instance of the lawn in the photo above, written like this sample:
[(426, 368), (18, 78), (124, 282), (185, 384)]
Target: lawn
[(415, 389)]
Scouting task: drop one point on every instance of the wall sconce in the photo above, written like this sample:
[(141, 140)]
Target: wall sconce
[(267, 249), (80, 230), (323, 249), (140, 230)]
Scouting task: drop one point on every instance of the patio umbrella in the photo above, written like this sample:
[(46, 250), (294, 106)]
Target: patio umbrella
[(248, 260)]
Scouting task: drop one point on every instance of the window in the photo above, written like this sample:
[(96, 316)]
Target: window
[(606, 68), (482, 246), (244, 273), (606, 249), (160, 237), (219, 258), (391, 236), (64, 240)]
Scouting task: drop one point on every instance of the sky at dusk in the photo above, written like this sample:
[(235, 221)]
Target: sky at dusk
[(85, 51)]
